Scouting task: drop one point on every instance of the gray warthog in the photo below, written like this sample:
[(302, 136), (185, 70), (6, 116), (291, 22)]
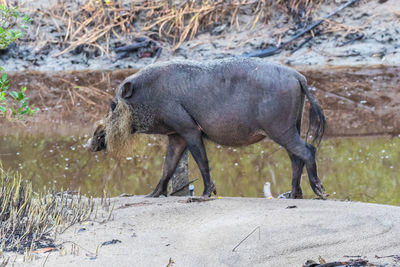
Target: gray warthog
[(233, 102)]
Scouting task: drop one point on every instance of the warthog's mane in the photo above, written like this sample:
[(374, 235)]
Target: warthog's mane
[(118, 128)]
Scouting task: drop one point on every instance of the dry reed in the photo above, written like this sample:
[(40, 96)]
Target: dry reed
[(29, 220), (93, 24)]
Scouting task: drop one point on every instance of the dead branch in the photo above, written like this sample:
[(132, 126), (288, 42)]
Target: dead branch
[(255, 229), (183, 187)]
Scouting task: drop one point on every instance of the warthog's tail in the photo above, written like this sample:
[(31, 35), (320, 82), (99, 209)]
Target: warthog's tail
[(317, 119)]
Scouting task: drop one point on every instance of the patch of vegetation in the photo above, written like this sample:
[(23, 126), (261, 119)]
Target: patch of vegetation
[(30, 220), (12, 25)]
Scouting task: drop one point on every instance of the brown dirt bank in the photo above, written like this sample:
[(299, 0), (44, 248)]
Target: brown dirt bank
[(356, 101), (366, 33)]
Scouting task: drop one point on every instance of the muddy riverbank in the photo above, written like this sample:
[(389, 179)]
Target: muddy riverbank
[(366, 33)]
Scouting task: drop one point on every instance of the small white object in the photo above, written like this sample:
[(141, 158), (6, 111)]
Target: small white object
[(267, 190), (191, 189)]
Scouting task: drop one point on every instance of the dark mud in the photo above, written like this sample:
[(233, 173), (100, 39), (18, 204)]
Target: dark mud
[(366, 33)]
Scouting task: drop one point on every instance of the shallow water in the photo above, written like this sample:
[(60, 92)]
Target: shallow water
[(360, 169)]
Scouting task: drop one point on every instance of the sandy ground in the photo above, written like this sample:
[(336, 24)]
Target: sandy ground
[(153, 231)]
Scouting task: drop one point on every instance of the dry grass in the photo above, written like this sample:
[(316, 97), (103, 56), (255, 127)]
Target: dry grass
[(93, 24), (29, 220)]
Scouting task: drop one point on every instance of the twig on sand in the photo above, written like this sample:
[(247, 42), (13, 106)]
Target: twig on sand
[(170, 262), (395, 257), (182, 187), (196, 199), (255, 229), (274, 50), (46, 259)]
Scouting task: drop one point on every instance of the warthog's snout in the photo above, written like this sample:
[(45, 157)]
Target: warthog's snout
[(98, 141), (88, 145)]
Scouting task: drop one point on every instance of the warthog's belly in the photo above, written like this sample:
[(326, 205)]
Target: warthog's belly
[(231, 131), (232, 141)]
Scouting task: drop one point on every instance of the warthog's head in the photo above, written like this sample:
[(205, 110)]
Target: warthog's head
[(114, 133)]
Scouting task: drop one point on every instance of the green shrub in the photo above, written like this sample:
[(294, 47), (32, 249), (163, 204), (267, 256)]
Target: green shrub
[(12, 25)]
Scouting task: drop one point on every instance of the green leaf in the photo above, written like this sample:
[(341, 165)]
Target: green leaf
[(20, 95), (14, 94), (2, 109), (4, 77)]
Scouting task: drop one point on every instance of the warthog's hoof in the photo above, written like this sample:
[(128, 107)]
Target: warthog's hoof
[(157, 193), (210, 189), (298, 194), (320, 191)]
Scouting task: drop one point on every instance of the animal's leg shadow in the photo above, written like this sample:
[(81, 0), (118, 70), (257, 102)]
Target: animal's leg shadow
[(176, 146)]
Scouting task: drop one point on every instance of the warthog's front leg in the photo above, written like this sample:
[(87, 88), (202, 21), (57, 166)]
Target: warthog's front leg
[(184, 124), (176, 146)]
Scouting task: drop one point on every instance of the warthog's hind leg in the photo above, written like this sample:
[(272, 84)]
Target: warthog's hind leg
[(306, 153), (297, 169)]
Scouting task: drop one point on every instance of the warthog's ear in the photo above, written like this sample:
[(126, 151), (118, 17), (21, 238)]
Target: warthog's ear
[(127, 90)]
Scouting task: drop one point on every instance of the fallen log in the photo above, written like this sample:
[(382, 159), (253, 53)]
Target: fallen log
[(141, 42)]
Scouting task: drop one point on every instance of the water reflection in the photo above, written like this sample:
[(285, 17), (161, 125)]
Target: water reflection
[(363, 169)]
